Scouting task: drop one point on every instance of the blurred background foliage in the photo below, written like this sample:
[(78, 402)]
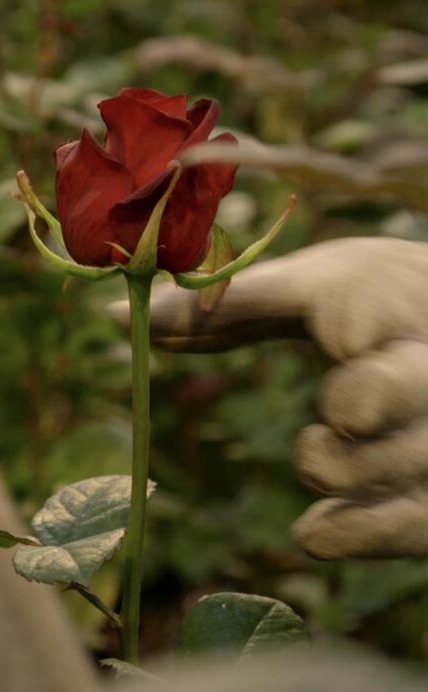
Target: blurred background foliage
[(342, 87)]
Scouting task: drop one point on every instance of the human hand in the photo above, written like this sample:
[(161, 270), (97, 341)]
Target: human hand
[(365, 302)]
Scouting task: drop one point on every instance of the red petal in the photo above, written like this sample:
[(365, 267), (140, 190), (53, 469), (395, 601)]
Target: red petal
[(220, 176), (186, 224), (130, 216), (144, 139), (89, 184), (145, 95), (190, 213), (129, 208), (203, 115), (61, 152), (188, 218), (175, 106)]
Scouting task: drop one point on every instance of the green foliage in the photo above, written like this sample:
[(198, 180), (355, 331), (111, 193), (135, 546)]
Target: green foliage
[(67, 563), (79, 528), (239, 625)]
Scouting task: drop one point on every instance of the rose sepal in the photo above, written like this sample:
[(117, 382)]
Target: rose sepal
[(63, 261), (220, 254), (29, 197), (64, 265), (144, 260), (200, 279)]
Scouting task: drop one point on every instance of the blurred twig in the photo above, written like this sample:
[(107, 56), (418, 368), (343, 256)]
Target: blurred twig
[(398, 176), (257, 73)]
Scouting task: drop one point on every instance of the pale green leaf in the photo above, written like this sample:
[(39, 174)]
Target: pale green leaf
[(71, 562), (86, 508), (80, 527)]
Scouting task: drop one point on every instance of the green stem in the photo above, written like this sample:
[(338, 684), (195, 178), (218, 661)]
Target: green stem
[(139, 299), (96, 601)]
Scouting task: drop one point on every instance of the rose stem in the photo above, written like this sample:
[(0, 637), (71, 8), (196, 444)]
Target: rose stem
[(139, 299)]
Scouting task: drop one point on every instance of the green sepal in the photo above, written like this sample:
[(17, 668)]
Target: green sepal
[(65, 265), (221, 253), (145, 258), (62, 261), (121, 249), (198, 280), (32, 201)]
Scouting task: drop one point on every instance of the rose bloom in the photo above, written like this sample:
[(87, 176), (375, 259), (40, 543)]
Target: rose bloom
[(107, 193)]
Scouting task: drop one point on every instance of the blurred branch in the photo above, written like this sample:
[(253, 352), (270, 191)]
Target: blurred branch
[(409, 73), (396, 175), (256, 73)]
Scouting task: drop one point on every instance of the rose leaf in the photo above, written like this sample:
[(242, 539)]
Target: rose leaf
[(239, 625)]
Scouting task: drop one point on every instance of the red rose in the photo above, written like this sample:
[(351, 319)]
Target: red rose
[(106, 193)]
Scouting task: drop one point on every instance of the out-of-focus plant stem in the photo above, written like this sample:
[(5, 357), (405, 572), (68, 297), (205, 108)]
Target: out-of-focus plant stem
[(139, 298)]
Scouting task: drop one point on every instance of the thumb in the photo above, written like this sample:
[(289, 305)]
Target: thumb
[(351, 294), (265, 301), (259, 304)]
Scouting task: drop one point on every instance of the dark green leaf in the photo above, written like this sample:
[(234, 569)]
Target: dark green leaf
[(239, 625)]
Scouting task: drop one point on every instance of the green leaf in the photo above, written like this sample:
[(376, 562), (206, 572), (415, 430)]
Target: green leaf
[(221, 253), (83, 509), (72, 562), (239, 625), (8, 540), (193, 280), (324, 171), (80, 527)]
